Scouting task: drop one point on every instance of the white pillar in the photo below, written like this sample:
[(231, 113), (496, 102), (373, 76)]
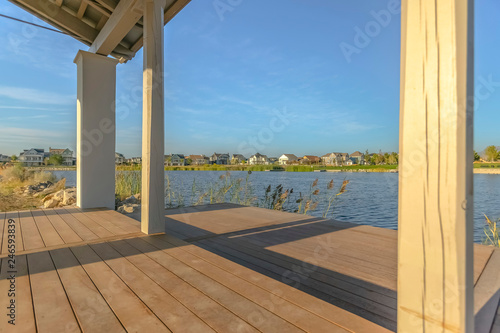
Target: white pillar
[(95, 130), (435, 243), (153, 178)]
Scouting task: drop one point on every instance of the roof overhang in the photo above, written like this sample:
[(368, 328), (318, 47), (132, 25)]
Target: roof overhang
[(108, 27)]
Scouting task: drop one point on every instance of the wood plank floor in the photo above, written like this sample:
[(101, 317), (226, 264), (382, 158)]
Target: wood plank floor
[(351, 266), (93, 271)]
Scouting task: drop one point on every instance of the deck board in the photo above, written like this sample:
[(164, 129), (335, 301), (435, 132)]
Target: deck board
[(67, 234), (30, 234), (220, 268), (47, 231), (91, 309), (134, 315), (264, 321), (49, 294), (286, 310), (168, 309), (79, 228), (211, 312)]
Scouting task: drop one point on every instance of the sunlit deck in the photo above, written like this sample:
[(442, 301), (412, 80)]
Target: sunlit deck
[(222, 268)]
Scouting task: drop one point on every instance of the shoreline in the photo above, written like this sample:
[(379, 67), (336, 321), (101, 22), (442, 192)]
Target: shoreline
[(487, 171)]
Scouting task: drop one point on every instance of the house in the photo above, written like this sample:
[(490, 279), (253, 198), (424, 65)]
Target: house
[(33, 156), (175, 160), (222, 159), (357, 157), (238, 159), (66, 154), (4, 158), (288, 159), (119, 158), (335, 159), (310, 159), (258, 159), (198, 159), (136, 160)]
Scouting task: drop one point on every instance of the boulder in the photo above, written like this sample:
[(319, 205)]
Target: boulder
[(52, 203), (131, 200), (69, 196), (128, 208)]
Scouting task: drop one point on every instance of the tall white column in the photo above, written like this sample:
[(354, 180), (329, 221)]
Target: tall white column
[(95, 130), (153, 178), (435, 259)]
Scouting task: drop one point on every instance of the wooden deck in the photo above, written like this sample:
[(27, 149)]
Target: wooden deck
[(220, 268)]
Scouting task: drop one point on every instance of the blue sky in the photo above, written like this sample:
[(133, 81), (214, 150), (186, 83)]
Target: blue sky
[(267, 76)]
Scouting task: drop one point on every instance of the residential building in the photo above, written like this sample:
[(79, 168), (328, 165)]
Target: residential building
[(335, 159), (310, 159), (238, 159), (273, 160), (222, 159), (4, 158), (33, 156), (119, 158), (198, 159), (288, 159), (357, 157), (175, 160), (258, 159), (135, 160), (66, 154)]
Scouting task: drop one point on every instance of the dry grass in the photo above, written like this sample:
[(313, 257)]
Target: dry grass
[(15, 177), (492, 232)]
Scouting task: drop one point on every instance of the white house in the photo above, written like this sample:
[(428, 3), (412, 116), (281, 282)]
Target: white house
[(258, 159), (238, 159), (288, 159), (33, 156), (119, 158), (175, 160), (4, 158), (66, 154)]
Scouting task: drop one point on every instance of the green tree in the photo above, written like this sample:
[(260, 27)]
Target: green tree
[(476, 156), (13, 158), (393, 158), (367, 157), (55, 159), (491, 153), (189, 161)]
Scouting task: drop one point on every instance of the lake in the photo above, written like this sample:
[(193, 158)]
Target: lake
[(371, 198)]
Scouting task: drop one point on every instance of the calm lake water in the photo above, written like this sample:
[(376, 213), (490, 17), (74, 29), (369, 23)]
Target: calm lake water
[(371, 198)]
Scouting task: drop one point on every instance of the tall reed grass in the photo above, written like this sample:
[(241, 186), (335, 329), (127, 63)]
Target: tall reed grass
[(229, 189), (492, 232)]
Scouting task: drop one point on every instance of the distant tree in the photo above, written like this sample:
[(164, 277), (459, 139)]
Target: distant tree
[(386, 158), (13, 158), (55, 159), (393, 158), (491, 153), (476, 156), (189, 161), (367, 157)]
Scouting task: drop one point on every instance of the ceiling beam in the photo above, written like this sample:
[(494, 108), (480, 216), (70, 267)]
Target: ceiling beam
[(126, 14), (170, 13), (100, 8), (59, 18), (82, 9), (108, 4)]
